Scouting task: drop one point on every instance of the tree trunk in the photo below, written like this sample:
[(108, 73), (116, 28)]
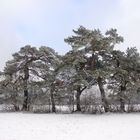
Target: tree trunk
[(15, 101), (122, 105), (25, 102), (16, 108), (52, 99), (26, 94), (73, 104), (121, 98), (103, 98), (78, 104)]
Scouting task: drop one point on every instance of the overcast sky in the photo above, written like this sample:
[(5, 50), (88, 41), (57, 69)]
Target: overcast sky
[(48, 22)]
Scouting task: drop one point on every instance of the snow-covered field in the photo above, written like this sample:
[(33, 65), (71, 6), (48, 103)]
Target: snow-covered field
[(22, 126)]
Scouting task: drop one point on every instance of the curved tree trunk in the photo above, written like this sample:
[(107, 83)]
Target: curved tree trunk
[(103, 98), (78, 95)]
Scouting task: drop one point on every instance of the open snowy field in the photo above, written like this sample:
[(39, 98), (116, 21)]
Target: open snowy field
[(20, 126)]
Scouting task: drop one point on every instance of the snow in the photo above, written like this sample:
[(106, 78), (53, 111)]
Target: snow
[(26, 126)]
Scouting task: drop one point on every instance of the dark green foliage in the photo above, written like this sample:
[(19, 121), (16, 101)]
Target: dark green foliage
[(39, 76)]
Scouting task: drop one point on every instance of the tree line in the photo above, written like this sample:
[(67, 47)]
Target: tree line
[(40, 76)]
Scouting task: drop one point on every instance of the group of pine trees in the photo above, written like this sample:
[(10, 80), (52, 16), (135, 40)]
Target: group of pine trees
[(40, 76)]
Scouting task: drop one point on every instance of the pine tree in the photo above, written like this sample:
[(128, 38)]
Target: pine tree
[(25, 65), (97, 48), (125, 74)]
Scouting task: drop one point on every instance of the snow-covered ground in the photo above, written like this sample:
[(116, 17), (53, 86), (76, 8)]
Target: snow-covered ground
[(22, 126)]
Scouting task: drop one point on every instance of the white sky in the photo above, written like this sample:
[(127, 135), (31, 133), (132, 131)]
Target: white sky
[(48, 22)]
